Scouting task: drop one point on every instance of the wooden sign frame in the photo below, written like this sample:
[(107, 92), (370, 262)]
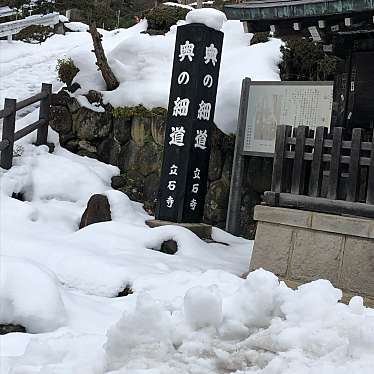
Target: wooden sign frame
[(233, 212)]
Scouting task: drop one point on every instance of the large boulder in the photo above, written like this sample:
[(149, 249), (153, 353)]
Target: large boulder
[(60, 119), (98, 210), (122, 129), (108, 151), (90, 125)]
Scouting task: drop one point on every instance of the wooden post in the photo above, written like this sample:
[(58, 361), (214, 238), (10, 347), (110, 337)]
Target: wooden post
[(235, 199), (335, 164), (354, 165), (316, 176), (298, 172), (279, 165), (9, 124), (370, 194), (44, 110)]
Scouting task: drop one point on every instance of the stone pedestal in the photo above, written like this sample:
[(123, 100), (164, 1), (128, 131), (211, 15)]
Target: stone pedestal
[(302, 246), (202, 230)]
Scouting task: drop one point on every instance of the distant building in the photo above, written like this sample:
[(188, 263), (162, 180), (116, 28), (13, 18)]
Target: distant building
[(344, 28)]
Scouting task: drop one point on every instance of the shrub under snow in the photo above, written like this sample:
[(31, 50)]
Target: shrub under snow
[(29, 296)]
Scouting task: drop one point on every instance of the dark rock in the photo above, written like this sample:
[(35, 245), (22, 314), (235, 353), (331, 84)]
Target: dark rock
[(9, 328), (74, 87), (141, 130), (98, 210), (125, 292), (64, 138), (60, 119), (127, 156), (151, 185), (118, 181), (87, 146), (108, 151), (18, 196), (158, 127), (148, 160), (90, 125), (51, 147), (134, 186), (60, 98), (84, 153), (122, 129), (71, 145), (215, 165), (170, 247), (216, 201), (73, 105), (94, 97)]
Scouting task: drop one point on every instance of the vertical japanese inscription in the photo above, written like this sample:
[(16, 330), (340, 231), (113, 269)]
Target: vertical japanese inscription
[(189, 124)]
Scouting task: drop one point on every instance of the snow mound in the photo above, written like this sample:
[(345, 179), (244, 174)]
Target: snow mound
[(275, 330), (144, 333), (33, 299), (208, 16), (203, 307)]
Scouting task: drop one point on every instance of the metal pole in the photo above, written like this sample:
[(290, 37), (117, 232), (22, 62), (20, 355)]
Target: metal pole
[(233, 211)]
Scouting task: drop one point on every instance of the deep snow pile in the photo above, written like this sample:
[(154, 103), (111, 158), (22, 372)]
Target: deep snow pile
[(143, 65), (263, 327)]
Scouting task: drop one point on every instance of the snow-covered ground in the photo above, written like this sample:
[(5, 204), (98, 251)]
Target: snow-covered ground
[(190, 313)]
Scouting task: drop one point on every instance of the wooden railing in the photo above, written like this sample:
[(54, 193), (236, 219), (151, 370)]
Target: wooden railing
[(8, 114), (323, 172)]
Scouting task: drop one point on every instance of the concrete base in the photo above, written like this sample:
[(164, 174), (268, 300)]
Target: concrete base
[(303, 246), (202, 230)]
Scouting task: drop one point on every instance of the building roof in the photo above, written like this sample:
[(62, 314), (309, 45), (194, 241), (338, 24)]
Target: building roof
[(271, 9)]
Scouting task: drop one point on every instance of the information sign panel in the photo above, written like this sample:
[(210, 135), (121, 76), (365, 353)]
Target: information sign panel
[(283, 103)]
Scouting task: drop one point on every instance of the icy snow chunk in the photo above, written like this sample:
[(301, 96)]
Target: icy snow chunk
[(30, 296), (208, 16), (203, 307), (256, 303), (144, 333)]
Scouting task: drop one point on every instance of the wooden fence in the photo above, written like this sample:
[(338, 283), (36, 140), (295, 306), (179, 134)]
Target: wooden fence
[(317, 171), (8, 114)]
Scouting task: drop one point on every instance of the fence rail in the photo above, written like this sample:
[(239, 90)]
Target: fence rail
[(14, 27), (9, 135), (314, 170)]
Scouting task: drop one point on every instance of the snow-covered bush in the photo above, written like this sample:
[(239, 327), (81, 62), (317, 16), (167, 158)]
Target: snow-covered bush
[(35, 34), (29, 296), (66, 70), (161, 18)]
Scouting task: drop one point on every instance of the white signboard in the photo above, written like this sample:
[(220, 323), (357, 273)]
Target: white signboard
[(284, 103)]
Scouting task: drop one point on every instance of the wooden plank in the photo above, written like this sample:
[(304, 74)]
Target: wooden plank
[(31, 100), (279, 163), (233, 211), (298, 170), (335, 164), (370, 193), (29, 129), (3, 144), (315, 182), (354, 165), (45, 103), (9, 124), (319, 204)]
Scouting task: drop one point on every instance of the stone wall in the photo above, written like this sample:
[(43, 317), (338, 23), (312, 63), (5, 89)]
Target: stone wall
[(135, 144), (303, 246)]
